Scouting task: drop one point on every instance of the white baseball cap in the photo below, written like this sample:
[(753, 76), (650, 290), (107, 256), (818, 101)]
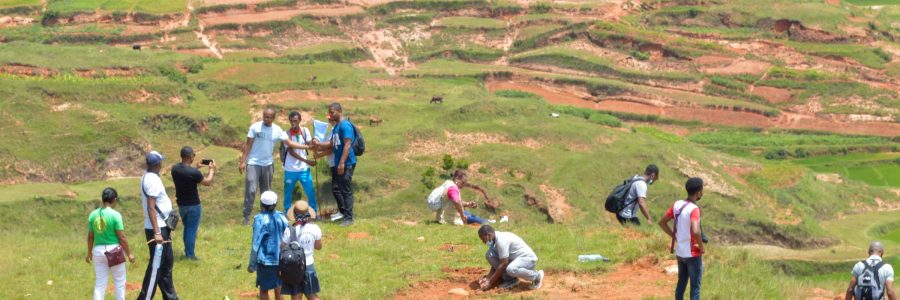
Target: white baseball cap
[(268, 198)]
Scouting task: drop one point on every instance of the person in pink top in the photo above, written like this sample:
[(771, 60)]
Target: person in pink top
[(687, 238), (454, 201)]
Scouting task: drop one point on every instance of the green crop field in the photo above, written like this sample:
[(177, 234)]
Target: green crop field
[(548, 106)]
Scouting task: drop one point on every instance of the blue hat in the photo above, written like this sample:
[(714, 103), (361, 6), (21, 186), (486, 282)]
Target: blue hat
[(154, 158)]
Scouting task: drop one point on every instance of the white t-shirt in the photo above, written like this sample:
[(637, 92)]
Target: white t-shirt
[(509, 245), (264, 138), (638, 190), (153, 186), (886, 273), (307, 235), (293, 164)]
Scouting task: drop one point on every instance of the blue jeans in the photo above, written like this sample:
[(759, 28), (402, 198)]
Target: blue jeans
[(190, 215), (306, 181), (470, 218), (689, 268)]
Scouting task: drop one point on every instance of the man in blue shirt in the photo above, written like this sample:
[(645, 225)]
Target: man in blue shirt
[(341, 145)]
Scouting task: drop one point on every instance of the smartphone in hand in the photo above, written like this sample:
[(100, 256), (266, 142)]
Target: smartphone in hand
[(206, 162)]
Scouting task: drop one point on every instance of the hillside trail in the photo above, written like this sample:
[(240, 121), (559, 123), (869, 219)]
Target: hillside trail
[(201, 36), (645, 278)]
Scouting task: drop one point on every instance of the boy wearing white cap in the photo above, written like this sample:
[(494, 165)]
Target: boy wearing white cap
[(268, 226)]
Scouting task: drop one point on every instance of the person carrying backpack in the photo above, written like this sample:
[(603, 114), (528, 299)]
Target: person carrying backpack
[(636, 196), (302, 239), (268, 226), (873, 279), (446, 199), (346, 143)]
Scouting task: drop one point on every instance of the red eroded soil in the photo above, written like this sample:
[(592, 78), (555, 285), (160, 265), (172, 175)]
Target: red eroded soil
[(275, 15), (740, 67), (357, 235), (705, 115), (633, 281), (773, 95)]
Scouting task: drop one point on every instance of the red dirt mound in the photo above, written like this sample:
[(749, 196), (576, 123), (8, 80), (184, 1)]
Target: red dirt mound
[(634, 281), (773, 95), (357, 235)]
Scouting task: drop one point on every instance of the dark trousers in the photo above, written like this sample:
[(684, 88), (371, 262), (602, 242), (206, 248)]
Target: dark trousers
[(689, 268), (164, 273), (623, 221), (343, 194)]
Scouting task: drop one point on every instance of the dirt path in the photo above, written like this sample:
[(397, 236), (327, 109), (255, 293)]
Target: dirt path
[(280, 15), (203, 37), (706, 115), (634, 281)]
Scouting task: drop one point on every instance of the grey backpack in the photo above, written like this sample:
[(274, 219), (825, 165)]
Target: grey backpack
[(868, 284)]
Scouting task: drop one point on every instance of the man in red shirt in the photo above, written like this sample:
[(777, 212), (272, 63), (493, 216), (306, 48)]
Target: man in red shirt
[(687, 238)]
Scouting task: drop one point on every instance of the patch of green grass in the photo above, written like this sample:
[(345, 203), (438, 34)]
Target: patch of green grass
[(88, 57), (872, 2), (14, 3), (569, 58), (277, 76), (866, 56), (471, 23), (532, 31), (149, 6)]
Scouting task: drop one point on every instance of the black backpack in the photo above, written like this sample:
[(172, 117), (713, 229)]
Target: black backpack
[(359, 144), (615, 202), (868, 284), (292, 264)]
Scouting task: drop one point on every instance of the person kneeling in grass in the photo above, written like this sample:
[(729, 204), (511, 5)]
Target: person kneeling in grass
[(309, 236), (511, 259), (268, 226), (452, 201)]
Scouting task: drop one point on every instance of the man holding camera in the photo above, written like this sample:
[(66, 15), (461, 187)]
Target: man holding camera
[(186, 178)]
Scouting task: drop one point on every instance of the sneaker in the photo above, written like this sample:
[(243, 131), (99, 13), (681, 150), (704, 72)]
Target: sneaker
[(509, 284), (336, 216), (540, 280), (246, 221), (347, 223), (194, 258)]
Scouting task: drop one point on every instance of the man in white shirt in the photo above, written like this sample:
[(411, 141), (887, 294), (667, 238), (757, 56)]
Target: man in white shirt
[(157, 208), (637, 197), (872, 278), (257, 158), (514, 260), (296, 165)]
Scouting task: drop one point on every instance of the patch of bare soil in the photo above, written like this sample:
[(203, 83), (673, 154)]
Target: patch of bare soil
[(298, 95), (461, 141), (739, 66), (773, 95), (129, 287), (817, 293), (280, 15), (557, 207), (358, 235), (712, 180), (713, 60), (633, 281), (220, 2)]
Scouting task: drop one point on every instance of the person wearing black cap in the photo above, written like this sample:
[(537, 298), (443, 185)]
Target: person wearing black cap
[(157, 208), (637, 197), (186, 178)]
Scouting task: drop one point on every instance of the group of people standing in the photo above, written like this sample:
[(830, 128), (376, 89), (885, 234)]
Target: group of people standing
[(108, 246)]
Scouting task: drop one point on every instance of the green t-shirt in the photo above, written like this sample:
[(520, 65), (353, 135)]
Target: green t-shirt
[(104, 222)]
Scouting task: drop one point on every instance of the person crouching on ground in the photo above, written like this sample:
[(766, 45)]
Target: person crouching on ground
[(687, 240), (268, 226), (512, 259), (452, 201), (309, 236)]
